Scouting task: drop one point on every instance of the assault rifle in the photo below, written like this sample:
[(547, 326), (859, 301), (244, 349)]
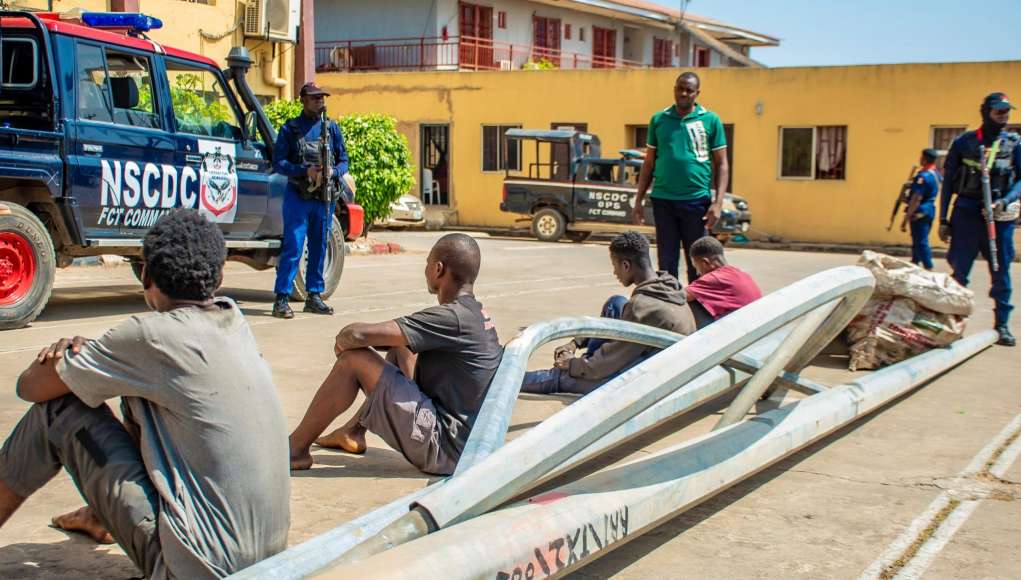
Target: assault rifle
[(902, 197), (987, 202), (325, 180)]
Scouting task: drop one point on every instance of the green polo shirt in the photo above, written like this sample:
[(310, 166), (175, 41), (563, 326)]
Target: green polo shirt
[(684, 164)]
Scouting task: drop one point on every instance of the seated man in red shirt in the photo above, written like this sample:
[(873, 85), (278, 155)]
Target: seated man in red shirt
[(720, 288)]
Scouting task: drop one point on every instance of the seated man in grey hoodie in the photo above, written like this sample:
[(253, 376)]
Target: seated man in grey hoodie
[(657, 300)]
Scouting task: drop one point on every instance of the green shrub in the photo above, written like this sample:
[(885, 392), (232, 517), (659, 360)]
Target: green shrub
[(380, 162), (541, 64), (280, 110), (380, 159)]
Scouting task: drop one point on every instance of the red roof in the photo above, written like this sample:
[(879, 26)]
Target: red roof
[(53, 22)]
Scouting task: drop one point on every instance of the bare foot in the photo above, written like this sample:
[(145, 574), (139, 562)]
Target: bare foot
[(301, 462), (84, 520), (345, 440)]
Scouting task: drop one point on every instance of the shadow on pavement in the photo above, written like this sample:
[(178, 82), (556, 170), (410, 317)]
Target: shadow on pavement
[(68, 304), (654, 538), (377, 463), (75, 557)]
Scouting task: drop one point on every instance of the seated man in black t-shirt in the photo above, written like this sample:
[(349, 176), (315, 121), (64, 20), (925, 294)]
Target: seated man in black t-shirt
[(451, 350)]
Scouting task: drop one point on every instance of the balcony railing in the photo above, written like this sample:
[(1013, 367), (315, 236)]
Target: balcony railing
[(455, 53)]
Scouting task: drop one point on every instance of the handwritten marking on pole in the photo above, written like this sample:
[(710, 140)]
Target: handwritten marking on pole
[(574, 546)]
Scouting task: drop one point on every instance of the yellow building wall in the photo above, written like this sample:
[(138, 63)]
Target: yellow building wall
[(207, 29), (889, 111)]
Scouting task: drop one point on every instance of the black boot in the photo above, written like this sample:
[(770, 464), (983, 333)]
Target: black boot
[(281, 309), (1006, 338), (314, 304)]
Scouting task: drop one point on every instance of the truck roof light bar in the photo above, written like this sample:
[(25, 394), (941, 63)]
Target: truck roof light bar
[(133, 22)]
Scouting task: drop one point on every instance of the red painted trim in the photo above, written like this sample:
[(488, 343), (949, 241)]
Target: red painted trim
[(50, 19), (355, 221), (185, 55)]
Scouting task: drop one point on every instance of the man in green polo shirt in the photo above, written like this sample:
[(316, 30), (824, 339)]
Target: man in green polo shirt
[(686, 158)]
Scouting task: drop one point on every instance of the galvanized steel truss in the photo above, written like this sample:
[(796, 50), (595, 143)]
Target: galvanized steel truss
[(465, 526)]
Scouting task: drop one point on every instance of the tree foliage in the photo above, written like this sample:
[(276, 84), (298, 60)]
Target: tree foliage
[(380, 159)]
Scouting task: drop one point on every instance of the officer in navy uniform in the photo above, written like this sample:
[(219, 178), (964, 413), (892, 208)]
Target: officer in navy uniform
[(306, 213), (965, 229), (921, 208)]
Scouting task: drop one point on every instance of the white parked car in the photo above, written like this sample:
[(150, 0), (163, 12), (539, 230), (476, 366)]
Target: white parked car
[(405, 212)]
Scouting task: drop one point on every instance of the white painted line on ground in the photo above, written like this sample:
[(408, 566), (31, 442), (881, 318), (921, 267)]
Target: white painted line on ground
[(954, 520), (939, 540), (1007, 458)]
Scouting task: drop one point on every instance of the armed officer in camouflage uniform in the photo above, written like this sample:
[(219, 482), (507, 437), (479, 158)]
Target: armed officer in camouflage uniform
[(306, 213), (965, 229)]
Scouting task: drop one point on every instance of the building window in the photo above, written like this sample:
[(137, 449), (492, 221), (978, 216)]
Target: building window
[(942, 138), (813, 152), (700, 56), (581, 34), (501, 19), (604, 47), (497, 153), (728, 133), (638, 136), (567, 32), (830, 152), (662, 52)]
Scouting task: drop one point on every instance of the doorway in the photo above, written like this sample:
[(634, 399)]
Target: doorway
[(728, 132), (435, 162), (476, 36)]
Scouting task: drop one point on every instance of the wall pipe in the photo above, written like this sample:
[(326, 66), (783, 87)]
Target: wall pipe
[(562, 530)]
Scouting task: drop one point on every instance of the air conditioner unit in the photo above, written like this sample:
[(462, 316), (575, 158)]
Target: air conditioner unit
[(255, 18), (506, 65), (273, 19)]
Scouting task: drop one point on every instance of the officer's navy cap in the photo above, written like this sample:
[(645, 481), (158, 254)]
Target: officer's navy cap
[(310, 88), (997, 101)]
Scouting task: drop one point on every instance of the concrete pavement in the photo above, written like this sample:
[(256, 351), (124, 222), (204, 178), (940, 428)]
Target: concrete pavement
[(829, 511)]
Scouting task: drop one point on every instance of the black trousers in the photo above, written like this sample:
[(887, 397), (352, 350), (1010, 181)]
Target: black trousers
[(678, 223)]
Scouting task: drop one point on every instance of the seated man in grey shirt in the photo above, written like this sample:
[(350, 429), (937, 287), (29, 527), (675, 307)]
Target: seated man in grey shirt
[(194, 483), (424, 398)]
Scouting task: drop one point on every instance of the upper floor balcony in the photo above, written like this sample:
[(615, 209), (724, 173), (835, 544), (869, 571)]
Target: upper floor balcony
[(452, 53)]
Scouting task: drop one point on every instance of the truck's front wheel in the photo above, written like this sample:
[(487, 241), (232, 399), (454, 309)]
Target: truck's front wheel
[(548, 225), (27, 266), (332, 268)]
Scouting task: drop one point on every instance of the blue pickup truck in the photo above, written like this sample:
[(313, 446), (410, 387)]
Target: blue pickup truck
[(103, 130)]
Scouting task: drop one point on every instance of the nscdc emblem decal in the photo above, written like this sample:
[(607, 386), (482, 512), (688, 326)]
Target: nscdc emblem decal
[(218, 190)]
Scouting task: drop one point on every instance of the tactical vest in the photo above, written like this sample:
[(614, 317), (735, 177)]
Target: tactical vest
[(1001, 174), (303, 152)]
